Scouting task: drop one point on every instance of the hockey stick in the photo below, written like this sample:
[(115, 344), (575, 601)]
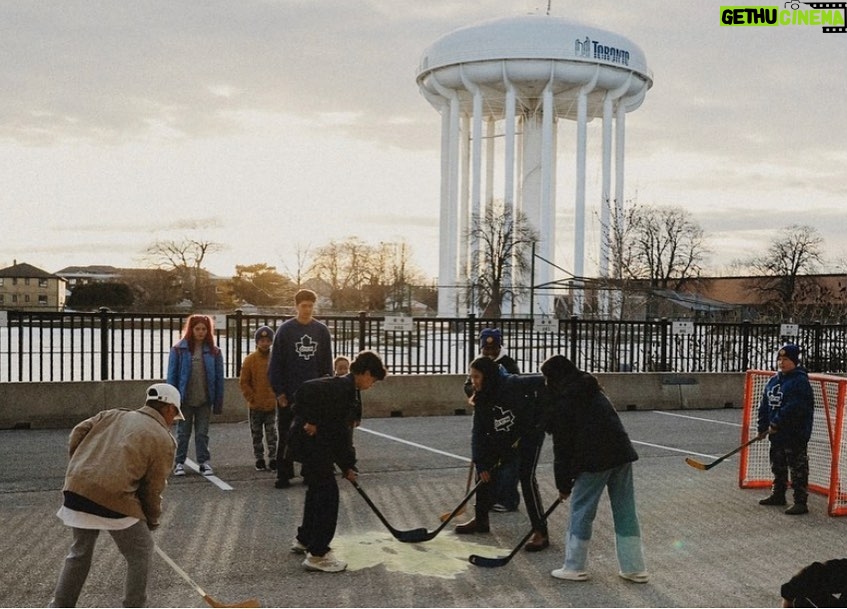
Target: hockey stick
[(429, 535), (448, 515), (410, 536), (252, 602), (704, 466), (500, 561)]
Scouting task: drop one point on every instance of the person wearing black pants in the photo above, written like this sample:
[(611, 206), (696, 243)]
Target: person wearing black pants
[(320, 439), (507, 426)]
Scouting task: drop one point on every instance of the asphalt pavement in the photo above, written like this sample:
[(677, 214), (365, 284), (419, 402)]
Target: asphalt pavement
[(707, 542)]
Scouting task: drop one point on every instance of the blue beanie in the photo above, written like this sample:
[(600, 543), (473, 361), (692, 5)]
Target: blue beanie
[(490, 337), (790, 351), (263, 332)]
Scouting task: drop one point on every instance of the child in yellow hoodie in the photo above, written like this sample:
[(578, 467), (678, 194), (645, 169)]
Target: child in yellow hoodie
[(261, 400)]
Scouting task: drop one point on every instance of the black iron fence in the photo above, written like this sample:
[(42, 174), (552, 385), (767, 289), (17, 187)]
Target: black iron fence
[(107, 345)]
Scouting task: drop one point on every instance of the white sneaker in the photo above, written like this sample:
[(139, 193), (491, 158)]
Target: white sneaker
[(327, 563), (639, 577), (297, 547), (206, 469), (574, 576), (179, 469)]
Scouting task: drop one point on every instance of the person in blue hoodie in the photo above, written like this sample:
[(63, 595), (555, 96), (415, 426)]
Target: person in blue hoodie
[(196, 369), (785, 416)]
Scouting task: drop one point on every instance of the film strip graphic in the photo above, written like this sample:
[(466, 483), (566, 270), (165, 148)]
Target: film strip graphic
[(830, 29)]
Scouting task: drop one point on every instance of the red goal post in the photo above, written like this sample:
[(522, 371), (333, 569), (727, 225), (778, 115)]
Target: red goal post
[(827, 446)]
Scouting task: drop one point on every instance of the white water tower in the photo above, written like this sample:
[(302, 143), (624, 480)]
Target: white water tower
[(501, 87)]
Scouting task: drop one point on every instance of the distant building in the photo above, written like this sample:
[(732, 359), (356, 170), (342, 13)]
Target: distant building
[(27, 288)]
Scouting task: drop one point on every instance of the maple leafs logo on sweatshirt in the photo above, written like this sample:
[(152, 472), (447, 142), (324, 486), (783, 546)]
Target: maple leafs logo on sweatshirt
[(504, 420), (306, 347)]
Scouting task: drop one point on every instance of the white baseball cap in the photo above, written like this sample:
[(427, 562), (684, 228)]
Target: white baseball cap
[(168, 394)]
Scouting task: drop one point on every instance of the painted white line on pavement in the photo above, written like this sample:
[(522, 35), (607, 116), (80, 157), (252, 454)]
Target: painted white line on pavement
[(213, 479), (686, 416), (415, 444), (671, 449), (467, 460)]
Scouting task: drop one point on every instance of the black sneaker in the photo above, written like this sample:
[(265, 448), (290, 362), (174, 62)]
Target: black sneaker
[(774, 499), (260, 464), (282, 483), (272, 465), (797, 509)]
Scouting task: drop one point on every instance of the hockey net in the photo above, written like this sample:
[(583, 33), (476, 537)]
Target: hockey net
[(827, 446)]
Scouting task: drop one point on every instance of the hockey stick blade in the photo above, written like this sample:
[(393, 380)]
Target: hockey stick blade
[(706, 466), (410, 536), (500, 561), (430, 535)]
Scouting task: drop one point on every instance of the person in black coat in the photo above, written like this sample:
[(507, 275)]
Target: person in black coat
[(592, 453), (820, 584), (320, 440), (505, 419)]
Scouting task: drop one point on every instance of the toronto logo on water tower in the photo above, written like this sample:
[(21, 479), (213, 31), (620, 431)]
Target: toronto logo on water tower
[(597, 50), (830, 16)]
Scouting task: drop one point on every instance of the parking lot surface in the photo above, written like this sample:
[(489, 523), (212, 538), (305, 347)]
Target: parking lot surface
[(707, 542)]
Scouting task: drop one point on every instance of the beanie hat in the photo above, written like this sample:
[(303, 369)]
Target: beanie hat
[(263, 332), (490, 337), (557, 367), (792, 352)]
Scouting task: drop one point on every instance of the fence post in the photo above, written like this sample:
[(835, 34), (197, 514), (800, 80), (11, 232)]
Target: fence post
[(239, 334), (818, 352), (745, 344), (574, 338), (663, 364), (104, 343), (362, 327), (471, 335)]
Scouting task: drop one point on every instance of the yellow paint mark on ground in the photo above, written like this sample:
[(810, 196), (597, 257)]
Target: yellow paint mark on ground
[(446, 556)]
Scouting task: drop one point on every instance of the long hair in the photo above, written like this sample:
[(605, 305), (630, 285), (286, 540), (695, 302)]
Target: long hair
[(490, 371), (188, 331)]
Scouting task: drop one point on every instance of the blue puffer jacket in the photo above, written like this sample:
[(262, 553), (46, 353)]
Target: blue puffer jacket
[(789, 405), (179, 369)]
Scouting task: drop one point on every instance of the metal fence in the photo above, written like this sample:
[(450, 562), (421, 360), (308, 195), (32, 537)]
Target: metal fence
[(118, 346)]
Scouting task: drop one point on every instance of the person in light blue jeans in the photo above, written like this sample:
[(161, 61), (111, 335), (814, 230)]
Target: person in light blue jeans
[(196, 369), (592, 452)]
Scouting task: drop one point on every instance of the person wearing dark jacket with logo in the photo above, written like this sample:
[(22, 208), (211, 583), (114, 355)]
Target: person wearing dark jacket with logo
[(506, 496), (785, 416), (505, 415), (301, 351), (320, 439), (820, 584), (592, 452)]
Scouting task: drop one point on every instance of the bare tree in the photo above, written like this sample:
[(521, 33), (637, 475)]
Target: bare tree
[(782, 282), (662, 244), (505, 249), (186, 258)]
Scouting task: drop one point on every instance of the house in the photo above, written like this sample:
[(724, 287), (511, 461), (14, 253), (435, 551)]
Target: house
[(27, 288)]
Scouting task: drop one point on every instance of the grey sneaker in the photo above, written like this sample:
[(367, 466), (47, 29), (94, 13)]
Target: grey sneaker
[(206, 469), (179, 469), (574, 576), (297, 547), (327, 563), (639, 577)]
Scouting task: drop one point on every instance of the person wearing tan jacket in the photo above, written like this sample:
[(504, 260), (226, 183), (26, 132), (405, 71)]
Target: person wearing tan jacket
[(119, 464), (261, 399)]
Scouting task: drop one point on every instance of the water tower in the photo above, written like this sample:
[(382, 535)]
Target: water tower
[(501, 87)]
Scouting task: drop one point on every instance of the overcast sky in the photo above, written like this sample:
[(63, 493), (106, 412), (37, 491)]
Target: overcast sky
[(277, 124)]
